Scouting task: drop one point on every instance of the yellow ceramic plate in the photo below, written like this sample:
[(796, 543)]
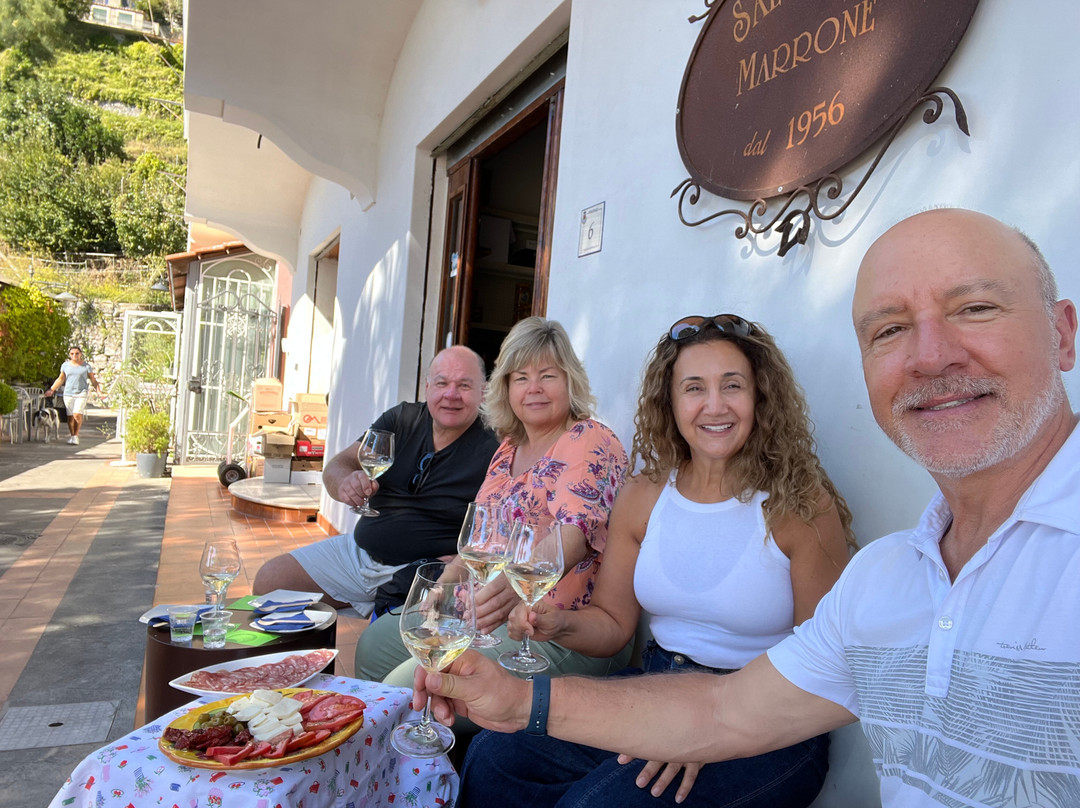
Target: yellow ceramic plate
[(192, 758)]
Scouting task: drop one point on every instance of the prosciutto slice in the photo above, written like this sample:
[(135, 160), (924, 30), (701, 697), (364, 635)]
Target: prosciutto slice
[(289, 672)]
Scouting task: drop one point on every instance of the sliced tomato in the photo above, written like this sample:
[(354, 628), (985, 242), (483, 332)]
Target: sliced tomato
[(261, 748), (320, 736), (300, 741), (214, 751), (278, 749), (313, 699), (244, 753), (333, 706)]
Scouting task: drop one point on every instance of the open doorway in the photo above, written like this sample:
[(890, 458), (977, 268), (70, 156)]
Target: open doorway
[(500, 205), (507, 236), (322, 289)]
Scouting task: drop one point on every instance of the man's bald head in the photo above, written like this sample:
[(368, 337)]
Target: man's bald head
[(962, 341), (454, 389)]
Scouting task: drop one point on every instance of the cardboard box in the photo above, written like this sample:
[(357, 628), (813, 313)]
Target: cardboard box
[(278, 470), (315, 435), (266, 395), (308, 410), (274, 444), (299, 464), (270, 422)]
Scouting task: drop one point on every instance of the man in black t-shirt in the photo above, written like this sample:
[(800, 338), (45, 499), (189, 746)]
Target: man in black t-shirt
[(441, 454)]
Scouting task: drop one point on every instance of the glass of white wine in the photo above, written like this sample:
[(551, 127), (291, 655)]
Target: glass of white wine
[(534, 567), (219, 566), (484, 546), (437, 624), (376, 455)]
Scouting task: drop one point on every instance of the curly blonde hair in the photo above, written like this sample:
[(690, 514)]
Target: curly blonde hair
[(531, 341), (779, 455)]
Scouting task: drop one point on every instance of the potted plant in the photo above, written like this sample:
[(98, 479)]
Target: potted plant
[(143, 389), (148, 435)]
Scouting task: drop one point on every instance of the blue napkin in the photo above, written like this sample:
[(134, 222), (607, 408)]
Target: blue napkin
[(272, 606), (162, 621), (285, 621)]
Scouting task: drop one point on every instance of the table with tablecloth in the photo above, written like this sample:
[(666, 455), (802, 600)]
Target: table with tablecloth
[(364, 771)]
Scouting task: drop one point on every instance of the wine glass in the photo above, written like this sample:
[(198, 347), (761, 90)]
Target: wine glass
[(535, 565), (437, 624), (483, 546), (219, 565), (376, 455)]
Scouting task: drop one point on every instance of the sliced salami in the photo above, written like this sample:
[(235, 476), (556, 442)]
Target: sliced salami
[(289, 672)]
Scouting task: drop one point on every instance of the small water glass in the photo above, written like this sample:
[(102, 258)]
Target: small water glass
[(215, 625), (182, 623)]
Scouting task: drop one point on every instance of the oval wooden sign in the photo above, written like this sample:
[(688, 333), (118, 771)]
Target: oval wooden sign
[(777, 94)]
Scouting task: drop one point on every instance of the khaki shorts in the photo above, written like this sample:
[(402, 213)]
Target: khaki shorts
[(345, 571), (76, 404)]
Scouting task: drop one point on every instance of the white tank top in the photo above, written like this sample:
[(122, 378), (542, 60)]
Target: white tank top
[(715, 589)]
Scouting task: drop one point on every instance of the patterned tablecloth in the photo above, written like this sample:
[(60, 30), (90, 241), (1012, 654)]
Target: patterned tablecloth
[(363, 772)]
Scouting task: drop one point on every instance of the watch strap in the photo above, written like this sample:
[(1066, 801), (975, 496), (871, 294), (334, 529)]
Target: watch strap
[(541, 699)]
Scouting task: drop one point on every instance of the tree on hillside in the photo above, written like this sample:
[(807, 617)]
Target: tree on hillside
[(37, 109), (38, 27), (50, 204), (58, 173), (149, 214)]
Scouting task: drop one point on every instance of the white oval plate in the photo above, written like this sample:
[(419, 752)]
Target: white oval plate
[(180, 682)]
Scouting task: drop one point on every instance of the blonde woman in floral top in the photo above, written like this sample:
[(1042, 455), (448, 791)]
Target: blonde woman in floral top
[(574, 483), (555, 462)]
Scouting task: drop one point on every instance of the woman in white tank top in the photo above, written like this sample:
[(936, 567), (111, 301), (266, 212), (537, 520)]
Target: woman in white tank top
[(728, 536)]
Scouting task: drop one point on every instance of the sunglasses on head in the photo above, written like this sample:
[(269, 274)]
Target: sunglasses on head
[(688, 327), (423, 465)]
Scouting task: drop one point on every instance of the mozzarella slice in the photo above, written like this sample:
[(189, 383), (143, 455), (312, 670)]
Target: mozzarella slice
[(285, 707), (268, 729)]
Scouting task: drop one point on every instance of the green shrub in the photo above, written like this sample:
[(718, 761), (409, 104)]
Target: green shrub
[(147, 432), (34, 335), (8, 399)]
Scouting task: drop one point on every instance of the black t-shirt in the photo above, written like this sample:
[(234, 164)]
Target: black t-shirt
[(425, 524)]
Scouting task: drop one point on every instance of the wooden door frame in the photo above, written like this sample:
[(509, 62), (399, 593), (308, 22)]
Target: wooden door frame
[(546, 108)]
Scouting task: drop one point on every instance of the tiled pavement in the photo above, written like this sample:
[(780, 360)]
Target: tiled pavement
[(85, 547)]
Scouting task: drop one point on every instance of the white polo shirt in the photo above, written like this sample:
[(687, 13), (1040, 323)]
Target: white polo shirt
[(968, 692)]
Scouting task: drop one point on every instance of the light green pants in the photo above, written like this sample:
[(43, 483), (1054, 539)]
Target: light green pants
[(381, 655)]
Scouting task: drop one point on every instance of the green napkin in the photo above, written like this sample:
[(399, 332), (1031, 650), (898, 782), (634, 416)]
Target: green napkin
[(245, 636), (243, 604)]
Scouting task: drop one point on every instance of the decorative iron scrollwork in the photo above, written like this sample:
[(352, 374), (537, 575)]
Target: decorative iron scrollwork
[(708, 8), (794, 222)]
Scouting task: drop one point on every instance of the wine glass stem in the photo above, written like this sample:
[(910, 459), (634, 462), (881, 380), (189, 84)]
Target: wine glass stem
[(425, 719), (221, 598), (525, 650)]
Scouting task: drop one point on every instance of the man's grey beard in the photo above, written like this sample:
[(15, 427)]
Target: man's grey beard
[(1014, 432)]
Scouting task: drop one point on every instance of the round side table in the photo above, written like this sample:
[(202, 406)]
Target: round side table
[(165, 661)]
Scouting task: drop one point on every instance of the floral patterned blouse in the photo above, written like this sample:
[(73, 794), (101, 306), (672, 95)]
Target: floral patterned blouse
[(574, 483)]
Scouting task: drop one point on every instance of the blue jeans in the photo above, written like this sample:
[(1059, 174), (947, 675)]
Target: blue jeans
[(526, 771)]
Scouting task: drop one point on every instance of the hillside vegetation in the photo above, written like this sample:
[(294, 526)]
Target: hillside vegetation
[(92, 152)]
